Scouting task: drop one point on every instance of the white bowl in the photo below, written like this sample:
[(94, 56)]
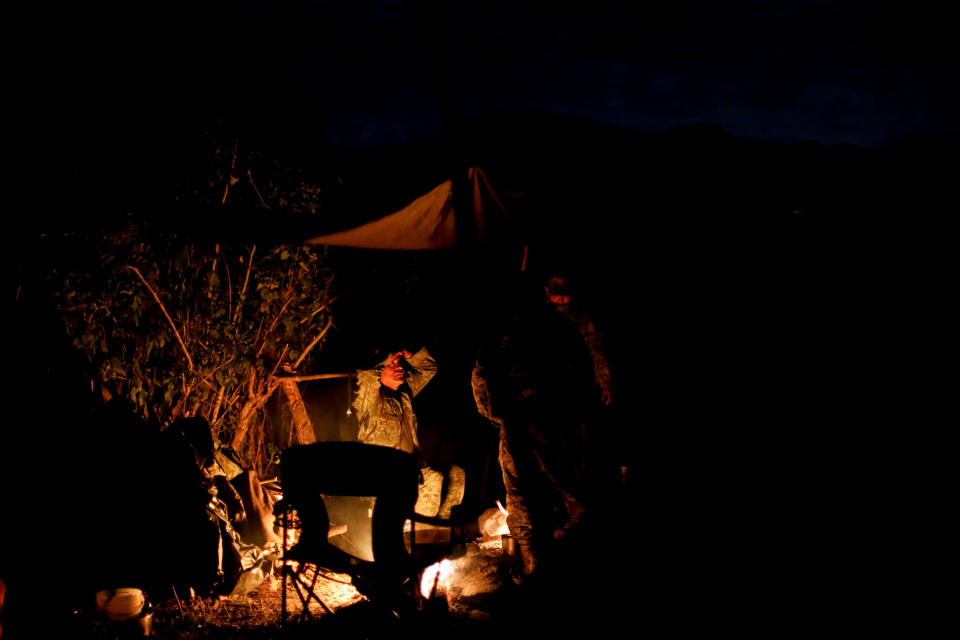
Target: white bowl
[(120, 604)]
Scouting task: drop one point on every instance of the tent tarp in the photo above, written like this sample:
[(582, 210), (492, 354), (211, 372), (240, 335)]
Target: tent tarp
[(429, 221)]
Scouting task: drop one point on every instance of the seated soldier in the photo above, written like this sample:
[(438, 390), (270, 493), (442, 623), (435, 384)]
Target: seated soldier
[(384, 410)]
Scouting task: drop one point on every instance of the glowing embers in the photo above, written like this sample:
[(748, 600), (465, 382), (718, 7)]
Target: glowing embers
[(436, 578)]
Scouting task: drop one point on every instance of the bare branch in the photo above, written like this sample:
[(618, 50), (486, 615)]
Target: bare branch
[(164, 309), (243, 291), (187, 389), (228, 405), (250, 176), (233, 164), (253, 404), (322, 307), (216, 406), (319, 376), (226, 267), (250, 383), (273, 324), (222, 364), (279, 360), (310, 346)]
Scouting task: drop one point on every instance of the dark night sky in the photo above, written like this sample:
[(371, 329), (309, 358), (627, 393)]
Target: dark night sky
[(834, 72), (368, 74)]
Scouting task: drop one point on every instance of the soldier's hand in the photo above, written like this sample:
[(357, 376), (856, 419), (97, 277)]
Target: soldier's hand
[(606, 397)]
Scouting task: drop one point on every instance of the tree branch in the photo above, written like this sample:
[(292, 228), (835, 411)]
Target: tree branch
[(249, 408), (251, 392), (226, 267), (164, 309), (273, 324), (250, 176), (319, 309), (233, 165), (222, 364), (228, 406), (216, 406), (279, 360), (187, 390), (310, 346), (243, 291), (319, 376)]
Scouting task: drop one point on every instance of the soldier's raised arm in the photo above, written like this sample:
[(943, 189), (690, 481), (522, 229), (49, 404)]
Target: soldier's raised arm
[(421, 369)]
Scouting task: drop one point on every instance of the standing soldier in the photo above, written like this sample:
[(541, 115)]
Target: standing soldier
[(539, 384), (559, 295)]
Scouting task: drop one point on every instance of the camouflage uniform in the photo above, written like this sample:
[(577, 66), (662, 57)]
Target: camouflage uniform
[(594, 341), (538, 386), (387, 419)]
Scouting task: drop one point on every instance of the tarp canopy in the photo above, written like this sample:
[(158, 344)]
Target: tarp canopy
[(429, 221)]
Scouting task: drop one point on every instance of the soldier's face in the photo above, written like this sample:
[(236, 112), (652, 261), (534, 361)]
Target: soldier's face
[(392, 376), (557, 299)]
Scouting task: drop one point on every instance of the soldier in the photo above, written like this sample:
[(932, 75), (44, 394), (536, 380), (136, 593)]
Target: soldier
[(384, 409), (559, 295), (538, 384), (384, 403)]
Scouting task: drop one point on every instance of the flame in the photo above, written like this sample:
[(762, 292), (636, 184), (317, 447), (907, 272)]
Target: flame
[(503, 529), (438, 574), (494, 522)]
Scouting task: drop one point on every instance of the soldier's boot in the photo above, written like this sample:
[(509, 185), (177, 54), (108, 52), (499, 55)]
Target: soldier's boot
[(528, 559)]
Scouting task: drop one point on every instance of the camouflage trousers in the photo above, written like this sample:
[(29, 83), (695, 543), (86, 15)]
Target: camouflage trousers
[(536, 458), (438, 492)]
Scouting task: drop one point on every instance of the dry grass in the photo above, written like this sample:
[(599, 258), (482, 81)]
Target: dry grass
[(257, 615)]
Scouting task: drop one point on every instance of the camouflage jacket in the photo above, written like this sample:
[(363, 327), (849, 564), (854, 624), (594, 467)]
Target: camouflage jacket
[(594, 342), (527, 358), (386, 417)]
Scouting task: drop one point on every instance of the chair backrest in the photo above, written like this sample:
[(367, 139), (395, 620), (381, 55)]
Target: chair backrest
[(369, 488)]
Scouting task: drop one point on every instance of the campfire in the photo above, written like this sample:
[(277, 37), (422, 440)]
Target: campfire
[(436, 578), (469, 580)]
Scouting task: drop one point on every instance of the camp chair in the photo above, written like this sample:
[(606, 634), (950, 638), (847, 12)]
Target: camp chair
[(372, 491)]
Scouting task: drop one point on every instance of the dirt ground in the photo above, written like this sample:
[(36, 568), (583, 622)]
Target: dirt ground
[(577, 580), (463, 599)]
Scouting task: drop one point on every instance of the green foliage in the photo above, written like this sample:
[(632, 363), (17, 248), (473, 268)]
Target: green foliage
[(182, 328), (240, 311)]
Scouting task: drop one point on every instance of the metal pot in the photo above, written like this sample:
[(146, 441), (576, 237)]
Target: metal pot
[(508, 545)]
